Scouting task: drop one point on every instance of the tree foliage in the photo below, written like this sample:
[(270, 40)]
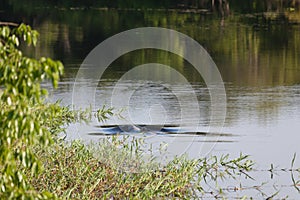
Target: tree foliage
[(23, 114)]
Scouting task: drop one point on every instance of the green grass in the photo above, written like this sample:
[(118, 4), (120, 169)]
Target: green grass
[(76, 171)]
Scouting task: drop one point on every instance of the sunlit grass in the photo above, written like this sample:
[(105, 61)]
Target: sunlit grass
[(75, 171)]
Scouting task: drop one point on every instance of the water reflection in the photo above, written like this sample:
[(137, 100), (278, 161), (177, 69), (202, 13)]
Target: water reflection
[(248, 50), (252, 54)]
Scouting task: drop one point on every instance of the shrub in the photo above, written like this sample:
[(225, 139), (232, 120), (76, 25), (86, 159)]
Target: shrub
[(22, 116)]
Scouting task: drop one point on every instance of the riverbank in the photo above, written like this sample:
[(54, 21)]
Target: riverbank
[(75, 171)]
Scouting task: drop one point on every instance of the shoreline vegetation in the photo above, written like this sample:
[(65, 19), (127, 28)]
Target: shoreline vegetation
[(36, 164), (74, 171)]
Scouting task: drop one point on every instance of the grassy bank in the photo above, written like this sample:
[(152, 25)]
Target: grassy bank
[(74, 171)]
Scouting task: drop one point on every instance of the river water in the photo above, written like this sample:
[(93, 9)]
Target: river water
[(257, 55)]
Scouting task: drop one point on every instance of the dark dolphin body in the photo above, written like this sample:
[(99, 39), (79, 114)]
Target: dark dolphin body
[(128, 128), (151, 129)]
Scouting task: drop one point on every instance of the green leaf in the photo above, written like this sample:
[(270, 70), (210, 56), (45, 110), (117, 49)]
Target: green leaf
[(5, 31)]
